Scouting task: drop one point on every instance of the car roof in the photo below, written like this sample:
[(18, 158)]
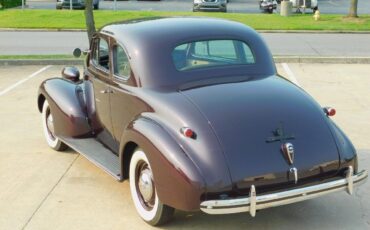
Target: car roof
[(150, 42), (173, 28)]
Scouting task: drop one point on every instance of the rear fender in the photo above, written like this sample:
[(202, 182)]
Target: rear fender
[(67, 104), (347, 151), (178, 182)]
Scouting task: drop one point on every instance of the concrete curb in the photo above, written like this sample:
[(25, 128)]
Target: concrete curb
[(322, 60), (313, 32), (260, 31), (21, 62), (41, 30), (278, 59)]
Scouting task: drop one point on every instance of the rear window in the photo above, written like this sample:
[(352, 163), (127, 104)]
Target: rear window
[(211, 53)]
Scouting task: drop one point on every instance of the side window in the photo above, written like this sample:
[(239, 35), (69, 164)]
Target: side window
[(248, 54), (121, 63), (179, 55), (101, 53), (95, 55)]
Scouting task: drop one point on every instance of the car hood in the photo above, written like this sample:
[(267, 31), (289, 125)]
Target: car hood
[(246, 116)]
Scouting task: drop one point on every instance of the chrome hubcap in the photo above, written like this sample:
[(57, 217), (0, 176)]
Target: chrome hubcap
[(50, 124), (145, 185)]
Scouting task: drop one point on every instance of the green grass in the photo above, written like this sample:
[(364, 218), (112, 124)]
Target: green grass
[(65, 19), (35, 57)]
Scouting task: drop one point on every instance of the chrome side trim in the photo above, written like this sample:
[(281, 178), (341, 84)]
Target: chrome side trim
[(253, 203)]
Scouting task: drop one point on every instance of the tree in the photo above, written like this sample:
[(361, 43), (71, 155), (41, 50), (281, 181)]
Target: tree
[(89, 17), (353, 9)]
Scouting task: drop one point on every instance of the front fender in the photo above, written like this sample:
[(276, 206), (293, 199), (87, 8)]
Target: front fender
[(67, 105), (178, 182)]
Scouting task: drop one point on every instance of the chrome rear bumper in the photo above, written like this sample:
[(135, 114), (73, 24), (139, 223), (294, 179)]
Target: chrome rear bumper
[(253, 202)]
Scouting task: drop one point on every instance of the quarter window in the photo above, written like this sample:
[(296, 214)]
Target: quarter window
[(121, 62)]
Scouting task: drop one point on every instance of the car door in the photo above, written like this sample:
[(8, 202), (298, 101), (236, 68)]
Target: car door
[(124, 104), (101, 78)]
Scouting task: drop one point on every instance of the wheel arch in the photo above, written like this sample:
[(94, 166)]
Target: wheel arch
[(40, 101), (127, 153), (175, 175)]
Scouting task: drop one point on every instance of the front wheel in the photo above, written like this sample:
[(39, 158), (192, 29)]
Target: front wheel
[(48, 127), (143, 191)]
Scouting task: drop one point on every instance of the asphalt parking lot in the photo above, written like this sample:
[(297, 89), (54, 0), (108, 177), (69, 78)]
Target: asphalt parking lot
[(44, 189)]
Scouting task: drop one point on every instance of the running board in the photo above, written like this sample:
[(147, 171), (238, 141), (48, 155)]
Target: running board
[(97, 153)]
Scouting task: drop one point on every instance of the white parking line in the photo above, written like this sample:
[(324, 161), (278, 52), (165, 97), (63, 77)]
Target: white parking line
[(290, 74), (24, 80)]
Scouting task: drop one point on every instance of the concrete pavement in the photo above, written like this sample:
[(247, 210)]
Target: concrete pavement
[(281, 44), (44, 189)]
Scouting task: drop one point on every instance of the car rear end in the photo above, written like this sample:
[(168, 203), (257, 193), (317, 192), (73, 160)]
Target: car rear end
[(279, 145), (210, 5), (268, 5)]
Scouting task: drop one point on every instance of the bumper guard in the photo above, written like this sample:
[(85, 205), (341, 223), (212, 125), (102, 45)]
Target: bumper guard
[(253, 203)]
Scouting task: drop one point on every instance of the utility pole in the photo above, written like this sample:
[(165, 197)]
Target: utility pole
[(115, 5), (70, 5), (22, 4)]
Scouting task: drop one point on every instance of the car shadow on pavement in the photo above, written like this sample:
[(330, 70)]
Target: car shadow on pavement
[(69, 151)]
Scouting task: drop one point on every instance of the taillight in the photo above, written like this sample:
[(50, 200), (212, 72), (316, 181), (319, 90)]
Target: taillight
[(329, 111), (187, 132)]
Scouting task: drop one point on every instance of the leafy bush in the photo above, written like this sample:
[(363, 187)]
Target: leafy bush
[(10, 3)]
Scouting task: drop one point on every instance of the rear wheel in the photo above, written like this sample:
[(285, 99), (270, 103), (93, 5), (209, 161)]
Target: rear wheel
[(48, 127), (143, 191)]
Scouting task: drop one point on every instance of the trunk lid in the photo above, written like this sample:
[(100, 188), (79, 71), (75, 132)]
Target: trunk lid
[(247, 116)]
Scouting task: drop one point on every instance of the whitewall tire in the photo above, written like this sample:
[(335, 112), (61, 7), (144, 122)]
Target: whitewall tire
[(143, 191), (48, 128)]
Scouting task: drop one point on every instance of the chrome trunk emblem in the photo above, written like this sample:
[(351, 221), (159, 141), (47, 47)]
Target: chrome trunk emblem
[(288, 151)]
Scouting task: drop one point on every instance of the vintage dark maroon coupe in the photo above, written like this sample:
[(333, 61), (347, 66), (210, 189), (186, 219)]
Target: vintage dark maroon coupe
[(193, 113)]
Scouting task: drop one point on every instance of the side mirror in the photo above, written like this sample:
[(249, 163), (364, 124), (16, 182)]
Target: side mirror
[(71, 73), (78, 52)]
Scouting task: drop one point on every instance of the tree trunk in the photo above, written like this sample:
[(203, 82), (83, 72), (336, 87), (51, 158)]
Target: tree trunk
[(353, 9), (89, 17)]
